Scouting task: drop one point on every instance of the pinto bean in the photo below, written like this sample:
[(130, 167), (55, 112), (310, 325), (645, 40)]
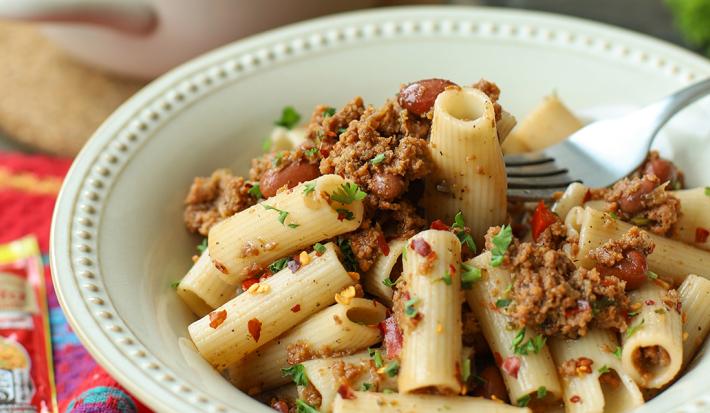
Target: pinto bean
[(632, 269), (290, 176), (387, 186), (663, 169), (493, 385), (632, 203), (418, 97)]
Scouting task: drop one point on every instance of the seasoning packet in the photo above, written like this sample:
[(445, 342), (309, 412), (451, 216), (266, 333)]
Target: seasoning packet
[(26, 371)]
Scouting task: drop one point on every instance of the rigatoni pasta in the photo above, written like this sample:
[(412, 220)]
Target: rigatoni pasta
[(241, 326), (292, 220), (378, 280), (405, 403), (695, 304), (203, 289), (694, 222)]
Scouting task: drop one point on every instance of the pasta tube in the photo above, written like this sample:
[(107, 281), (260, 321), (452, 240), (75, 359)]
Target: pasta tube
[(340, 328), (283, 139), (652, 346), (289, 221), (585, 391), (384, 267), (469, 170), (695, 298), (573, 196), (694, 221), (202, 289), (549, 123), (269, 308), (431, 349), (410, 403), (523, 374), (670, 259)]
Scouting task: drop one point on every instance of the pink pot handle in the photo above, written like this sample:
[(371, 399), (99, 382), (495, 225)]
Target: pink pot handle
[(122, 15)]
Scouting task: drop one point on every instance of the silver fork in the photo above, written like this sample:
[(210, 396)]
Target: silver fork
[(598, 154)]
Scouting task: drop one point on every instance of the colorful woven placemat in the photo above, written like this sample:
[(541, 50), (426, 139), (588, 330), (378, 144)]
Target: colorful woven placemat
[(28, 189)]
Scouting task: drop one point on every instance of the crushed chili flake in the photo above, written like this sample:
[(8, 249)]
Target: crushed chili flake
[(421, 247), (498, 358), (575, 399), (393, 337), (296, 308), (587, 196), (346, 392), (649, 302), (254, 327), (246, 284), (511, 365), (439, 225), (679, 307), (452, 270), (701, 234), (384, 247), (217, 318)]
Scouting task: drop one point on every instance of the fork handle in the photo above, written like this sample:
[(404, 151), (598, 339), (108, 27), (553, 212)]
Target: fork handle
[(662, 111)]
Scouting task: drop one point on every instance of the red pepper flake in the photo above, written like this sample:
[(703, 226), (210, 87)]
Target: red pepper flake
[(325, 152), (254, 327), (649, 302), (452, 270), (249, 282), (384, 247), (679, 307), (587, 196), (331, 134), (421, 247), (217, 318), (701, 234), (541, 219), (280, 406), (511, 365), (265, 275), (346, 392), (393, 337), (575, 399), (498, 358), (440, 226), (296, 308)]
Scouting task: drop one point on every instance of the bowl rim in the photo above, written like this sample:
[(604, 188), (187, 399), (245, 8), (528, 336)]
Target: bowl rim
[(75, 273)]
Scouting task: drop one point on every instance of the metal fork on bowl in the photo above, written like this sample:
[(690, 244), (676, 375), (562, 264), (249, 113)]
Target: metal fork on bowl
[(598, 154)]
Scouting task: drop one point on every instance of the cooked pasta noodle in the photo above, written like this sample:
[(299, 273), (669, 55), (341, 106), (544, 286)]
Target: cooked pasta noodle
[(202, 289), (382, 270), (694, 217), (410, 403), (695, 299)]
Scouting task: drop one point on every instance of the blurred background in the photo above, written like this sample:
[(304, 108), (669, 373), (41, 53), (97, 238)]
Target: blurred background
[(67, 64)]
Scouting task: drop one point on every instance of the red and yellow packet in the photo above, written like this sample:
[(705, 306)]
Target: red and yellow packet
[(26, 371)]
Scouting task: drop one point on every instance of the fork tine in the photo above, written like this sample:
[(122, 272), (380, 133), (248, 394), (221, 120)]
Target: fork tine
[(542, 182), (548, 169), (527, 159), (530, 194)]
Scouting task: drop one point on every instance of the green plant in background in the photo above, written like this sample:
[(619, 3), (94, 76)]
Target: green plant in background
[(693, 19)]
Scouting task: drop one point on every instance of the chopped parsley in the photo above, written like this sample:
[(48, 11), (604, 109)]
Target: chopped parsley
[(503, 302), (613, 215), (378, 159), (389, 283), (601, 304), (617, 352), (392, 369), (266, 145), (707, 191), (303, 407), (278, 265), (541, 392), (348, 193), (202, 246), (404, 253), (174, 285), (652, 275), (311, 151), (469, 275), (255, 191), (410, 307), (366, 387), (328, 112), (282, 215), (640, 220), (309, 187), (501, 241), (319, 248), (632, 313), (376, 356), (523, 401), (342, 130), (519, 337), (466, 370), (462, 235), (349, 260), (278, 157), (345, 214), (533, 345), (633, 329), (289, 118), (297, 373), (446, 278), (604, 369)]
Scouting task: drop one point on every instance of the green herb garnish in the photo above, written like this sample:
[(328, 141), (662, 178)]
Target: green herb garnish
[(309, 187), (503, 302), (282, 215), (446, 278), (328, 112), (466, 370), (278, 157), (376, 356), (378, 159), (310, 152), (174, 285), (255, 191), (604, 369), (303, 407), (392, 369), (348, 193), (652, 275), (469, 275), (501, 241), (202, 246), (617, 352), (366, 387), (389, 283), (462, 235), (410, 307), (345, 214), (319, 248), (523, 401), (289, 118), (533, 345), (541, 392), (266, 145), (633, 329), (640, 220), (297, 373), (278, 265)]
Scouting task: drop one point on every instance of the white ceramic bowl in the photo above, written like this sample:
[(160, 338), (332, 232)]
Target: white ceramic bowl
[(118, 239)]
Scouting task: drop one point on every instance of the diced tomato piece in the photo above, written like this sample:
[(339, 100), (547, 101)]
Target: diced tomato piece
[(249, 282), (392, 337), (439, 225), (541, 219), (346, 392), (384, 247), (511, 365)]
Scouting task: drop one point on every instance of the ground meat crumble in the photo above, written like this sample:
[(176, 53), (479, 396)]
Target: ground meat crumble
[(214, 198), (552, 295)]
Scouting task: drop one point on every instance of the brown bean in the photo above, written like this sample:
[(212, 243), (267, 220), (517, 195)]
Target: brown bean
[(632, 269), (493, 385), (289, 176), (418, 97), (387, 186), (663, 169), (632, 203)]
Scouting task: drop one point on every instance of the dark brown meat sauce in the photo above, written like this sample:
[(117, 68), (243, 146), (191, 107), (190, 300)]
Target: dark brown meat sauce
[(551, 295)]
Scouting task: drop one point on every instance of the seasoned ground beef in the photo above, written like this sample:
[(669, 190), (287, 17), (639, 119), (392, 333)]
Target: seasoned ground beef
[(664, 169), (576, 367), (551, 295), (493, 92), (311, 395), (644, 202), (214, 198), (646, 359), (613, 251), (554, 236)]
